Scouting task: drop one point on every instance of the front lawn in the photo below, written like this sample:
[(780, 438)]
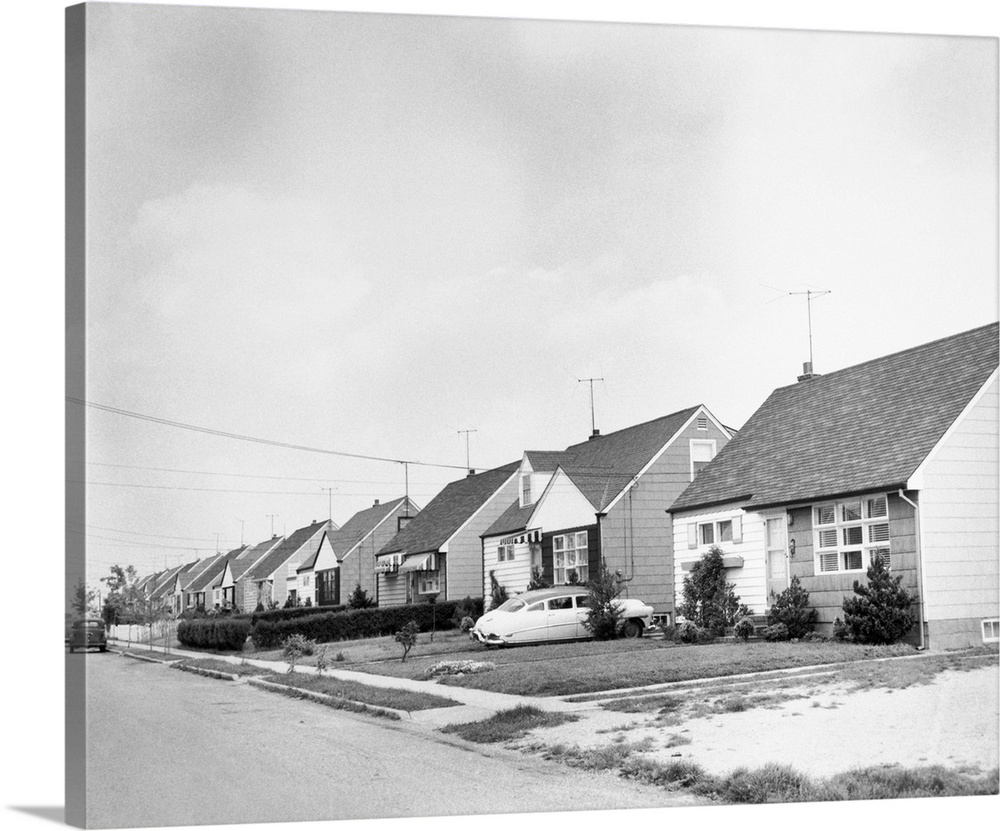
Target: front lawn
[(508, 724), (216, 665), (591, 666)]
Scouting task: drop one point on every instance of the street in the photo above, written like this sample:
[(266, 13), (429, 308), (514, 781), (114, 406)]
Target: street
[(171, 748)]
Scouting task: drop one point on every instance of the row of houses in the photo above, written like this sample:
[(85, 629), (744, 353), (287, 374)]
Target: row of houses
[(894, 458)]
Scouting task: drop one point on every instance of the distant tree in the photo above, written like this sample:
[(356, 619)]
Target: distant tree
[(359, 599), (82, 601)]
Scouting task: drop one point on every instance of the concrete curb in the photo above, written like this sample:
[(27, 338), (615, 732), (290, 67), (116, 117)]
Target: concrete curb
[(329, 700), (148, 659), (208, 673)]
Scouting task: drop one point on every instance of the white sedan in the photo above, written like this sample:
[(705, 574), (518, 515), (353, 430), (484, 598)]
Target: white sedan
[(553, 615)]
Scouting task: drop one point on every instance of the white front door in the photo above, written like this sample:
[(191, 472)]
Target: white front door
[(777, 556)]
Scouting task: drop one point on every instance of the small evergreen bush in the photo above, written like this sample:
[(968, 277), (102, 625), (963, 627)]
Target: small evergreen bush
[(359, 599), (792, 609), (709, 601), (880, 611), (776, 632), (743, 629), (538, 581), (604, 615)]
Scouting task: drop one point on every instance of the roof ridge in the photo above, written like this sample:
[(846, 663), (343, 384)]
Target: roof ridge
[(895, 354), (634, 426)]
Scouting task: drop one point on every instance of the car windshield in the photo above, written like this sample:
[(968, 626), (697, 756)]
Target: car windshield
[(512, 605)]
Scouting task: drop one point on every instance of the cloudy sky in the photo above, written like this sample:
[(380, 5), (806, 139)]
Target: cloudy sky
[(366, 233)]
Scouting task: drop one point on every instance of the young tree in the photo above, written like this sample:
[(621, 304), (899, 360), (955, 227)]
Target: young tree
[(880, 611), (82, 601), (538, 581), (498, 594), (709, 601), (407, 637), (604, 614), (791, 608)]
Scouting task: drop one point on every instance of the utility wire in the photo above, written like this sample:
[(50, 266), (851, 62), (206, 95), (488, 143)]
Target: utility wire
[(241, 437), (217, 490)]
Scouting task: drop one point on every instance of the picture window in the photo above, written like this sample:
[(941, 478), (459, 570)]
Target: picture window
[(851, 534)]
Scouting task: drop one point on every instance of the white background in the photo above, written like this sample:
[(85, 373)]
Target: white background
[(32, 383)]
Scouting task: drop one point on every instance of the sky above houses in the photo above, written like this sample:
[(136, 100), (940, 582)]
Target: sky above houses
[(366, 233)]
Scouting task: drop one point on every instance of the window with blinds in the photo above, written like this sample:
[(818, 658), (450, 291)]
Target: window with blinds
[(851, 534)]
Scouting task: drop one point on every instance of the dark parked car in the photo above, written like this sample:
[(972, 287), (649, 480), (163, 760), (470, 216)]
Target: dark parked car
[(88, 633)]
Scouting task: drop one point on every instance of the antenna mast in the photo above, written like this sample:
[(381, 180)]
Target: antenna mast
[(593, 422), (468, 463)]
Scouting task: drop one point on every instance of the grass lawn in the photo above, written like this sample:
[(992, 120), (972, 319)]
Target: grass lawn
[(508, 724), (384, 648), (223, 666), (363, 693), (591, 666)]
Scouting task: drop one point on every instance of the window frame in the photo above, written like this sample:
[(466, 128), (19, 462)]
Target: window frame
[(849, 533), (994, 624), (505, 552), (715, 526), (701, 442), (581, 558), (429, 582)]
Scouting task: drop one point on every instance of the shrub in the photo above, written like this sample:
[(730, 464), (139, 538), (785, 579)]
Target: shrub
[(289, 602), (688, 632), (294, 647), (603, 613), (460, 668), (359, 599), (709, 601), (407, 637), (466, 608), (777, 632), (293, 612), (322, 662), (466, 624), (538, 581), (880, 612), (498, 594), (791, 608), (743, 629), (309, 602), (219, 633), (840, 632)]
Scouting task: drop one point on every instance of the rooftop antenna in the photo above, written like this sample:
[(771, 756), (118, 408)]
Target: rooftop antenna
[(468, 463), (329, 492), (272, 516), (406, 490), (593, 423), (810, 294), (241, 532)]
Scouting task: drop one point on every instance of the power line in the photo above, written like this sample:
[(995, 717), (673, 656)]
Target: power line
[(241, 437), (216, 490), (139, 533), (252, 475)]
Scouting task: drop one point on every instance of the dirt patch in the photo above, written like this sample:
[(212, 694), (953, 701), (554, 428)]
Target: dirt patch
[(820, 729)]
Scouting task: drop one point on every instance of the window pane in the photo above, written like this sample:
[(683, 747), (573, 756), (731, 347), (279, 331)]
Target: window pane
[(559, 543), (853, 560), (581, 539), (850, 511), (560, 559), (876, 507), (707, 534), (852, 536), (726, 531), (878, 533), (536, 607), (561, 603), (825, 515), (828, 561), (884, 555), (828, 538), (581, 572)]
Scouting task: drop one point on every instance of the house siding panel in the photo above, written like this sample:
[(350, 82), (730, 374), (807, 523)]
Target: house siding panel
[(750, 579), (959, 516), (465, 573), (637, 535), (391, 589), (514, 575), (359, 566)]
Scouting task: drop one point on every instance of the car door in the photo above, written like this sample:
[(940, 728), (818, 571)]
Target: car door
[(562, 618), (582, 611), (529, 624)]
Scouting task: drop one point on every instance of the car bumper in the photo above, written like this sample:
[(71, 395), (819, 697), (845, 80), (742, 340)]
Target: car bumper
[(488, 638)]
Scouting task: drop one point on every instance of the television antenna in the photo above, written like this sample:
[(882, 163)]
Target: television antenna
[(809, 295), (593, 421), (468, 462)]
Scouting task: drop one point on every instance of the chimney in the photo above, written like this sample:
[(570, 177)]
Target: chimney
[(595, 435), (472, 472), (376, 504), (807, 372)]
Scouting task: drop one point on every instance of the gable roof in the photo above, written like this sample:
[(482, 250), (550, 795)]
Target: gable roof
[(277, 556), (165, 581), (601, 467), (448, 511), (864, 428), (357, 528), (208, 574), (252, 554)]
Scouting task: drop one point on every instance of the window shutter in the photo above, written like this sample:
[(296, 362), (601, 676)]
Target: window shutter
[(737, 529), (692, 535)]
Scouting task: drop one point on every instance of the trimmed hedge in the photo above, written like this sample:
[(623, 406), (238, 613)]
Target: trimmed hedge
[(353, 624), (214, 633), (294, 612)]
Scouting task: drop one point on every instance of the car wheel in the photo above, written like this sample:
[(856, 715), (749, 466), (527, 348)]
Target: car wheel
[(104, 649), (631, 629)]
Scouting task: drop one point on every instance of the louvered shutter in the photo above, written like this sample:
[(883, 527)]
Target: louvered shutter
[(692, 535), (737, 529)]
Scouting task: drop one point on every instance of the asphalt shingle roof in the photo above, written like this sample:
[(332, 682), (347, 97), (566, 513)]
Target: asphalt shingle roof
[(251, 555), (284, 551), (356, 529), (214, 569), (867, 427), (447, 511), (600, 467)]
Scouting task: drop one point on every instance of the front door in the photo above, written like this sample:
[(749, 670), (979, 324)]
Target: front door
[(777, 556)]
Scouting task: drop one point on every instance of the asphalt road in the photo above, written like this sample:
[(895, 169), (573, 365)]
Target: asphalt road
[(172, 748)]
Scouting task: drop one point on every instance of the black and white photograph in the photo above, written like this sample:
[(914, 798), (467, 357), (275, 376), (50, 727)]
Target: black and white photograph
[(513, 415)]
